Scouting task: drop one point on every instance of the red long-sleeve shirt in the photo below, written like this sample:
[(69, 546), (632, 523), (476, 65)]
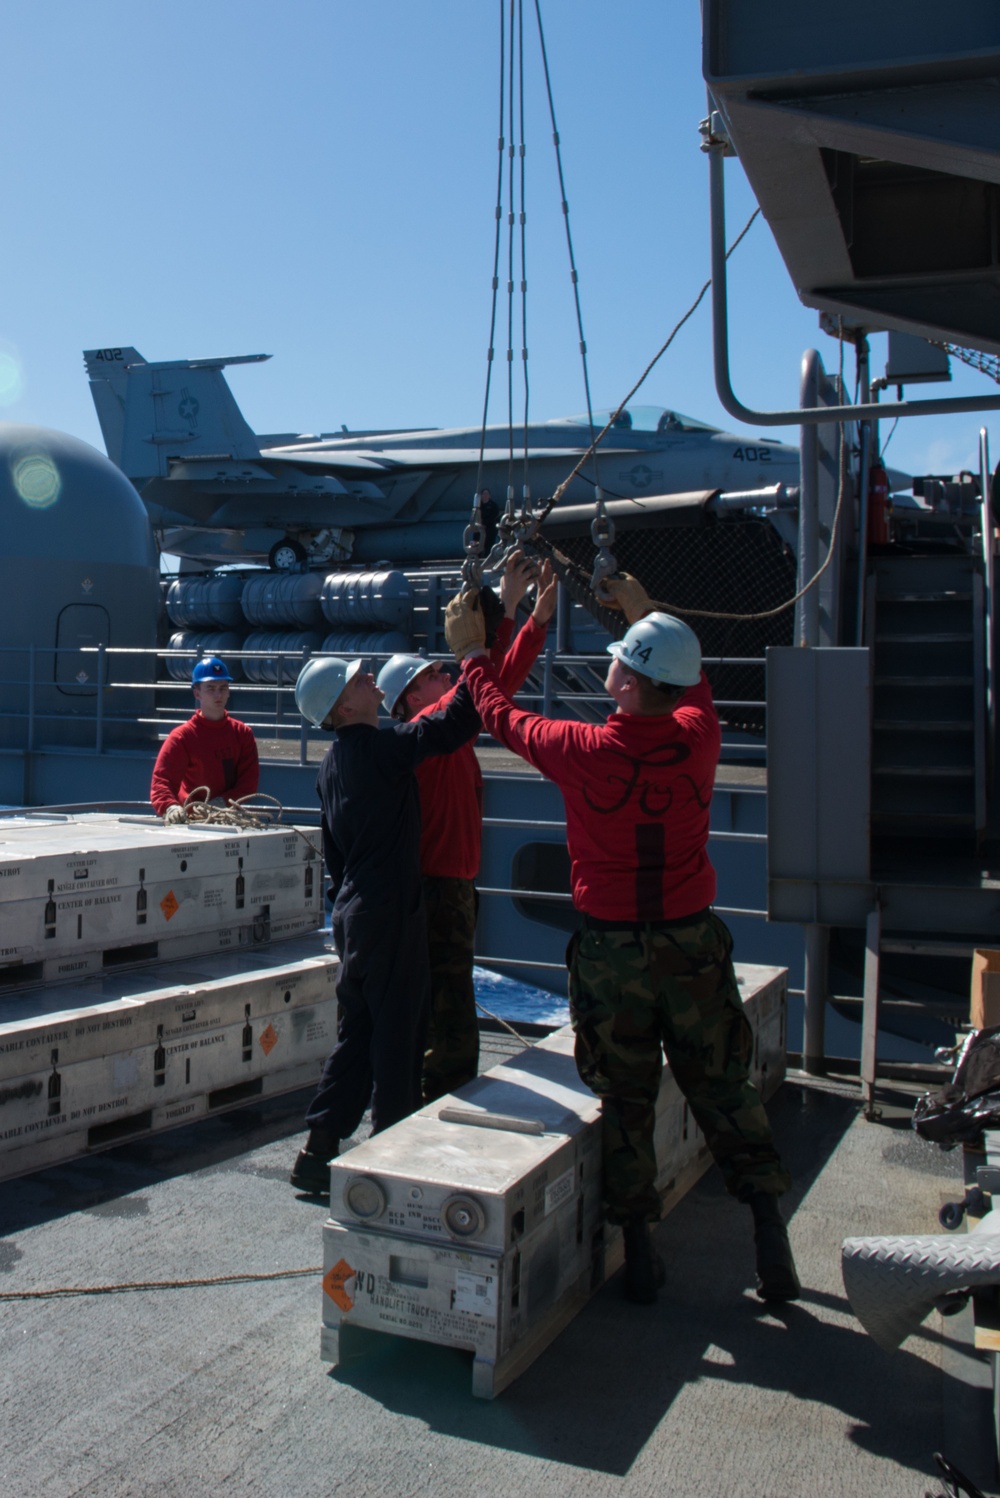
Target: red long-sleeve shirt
[(451, 785), (637, 792), (221, 755)]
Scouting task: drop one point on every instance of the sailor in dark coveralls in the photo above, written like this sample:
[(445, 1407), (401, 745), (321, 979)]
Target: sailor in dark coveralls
[(371, 843)]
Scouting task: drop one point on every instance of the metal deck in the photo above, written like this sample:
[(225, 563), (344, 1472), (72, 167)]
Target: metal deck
[(191, 1391)]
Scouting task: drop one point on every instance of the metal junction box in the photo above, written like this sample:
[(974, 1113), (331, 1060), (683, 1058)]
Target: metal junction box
[(819, 785), (87, 1065), (477, 1222), (80, 894)]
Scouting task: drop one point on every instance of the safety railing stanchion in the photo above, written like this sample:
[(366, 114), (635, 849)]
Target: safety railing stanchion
[(547, 682), (986, 535), (31, 698), (100, 700), (304, 726)]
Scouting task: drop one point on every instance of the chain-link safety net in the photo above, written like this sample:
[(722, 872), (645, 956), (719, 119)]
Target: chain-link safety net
[(734, 563)]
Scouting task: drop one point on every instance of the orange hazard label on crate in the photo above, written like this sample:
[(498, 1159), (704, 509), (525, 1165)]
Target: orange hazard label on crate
[(169, 904), (268, 1040), (335, 1284)]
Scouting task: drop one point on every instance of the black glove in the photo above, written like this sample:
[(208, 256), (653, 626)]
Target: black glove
[(493, 614)]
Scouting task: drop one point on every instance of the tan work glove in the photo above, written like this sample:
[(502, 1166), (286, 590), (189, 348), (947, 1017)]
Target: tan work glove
[(628, 594), (173, 815), (464, 625)]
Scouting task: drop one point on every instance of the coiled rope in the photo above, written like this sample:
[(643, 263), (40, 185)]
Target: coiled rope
[(198, 810)]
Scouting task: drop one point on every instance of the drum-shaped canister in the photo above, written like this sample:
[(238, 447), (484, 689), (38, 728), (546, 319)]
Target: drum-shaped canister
[(206, 602), (271, 651), (277, 599), (379, 600), (203, 642)]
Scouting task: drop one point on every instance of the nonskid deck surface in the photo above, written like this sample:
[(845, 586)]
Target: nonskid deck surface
[(221, 1389)]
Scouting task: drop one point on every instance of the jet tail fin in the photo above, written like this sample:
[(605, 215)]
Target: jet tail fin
[(151, 414), (107, 369)]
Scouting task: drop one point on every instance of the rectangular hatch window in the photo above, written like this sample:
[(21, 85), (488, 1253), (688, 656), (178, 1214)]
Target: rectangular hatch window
[(80, 628)]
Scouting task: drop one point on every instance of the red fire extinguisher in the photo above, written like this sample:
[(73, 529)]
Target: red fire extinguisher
[(879, 507)]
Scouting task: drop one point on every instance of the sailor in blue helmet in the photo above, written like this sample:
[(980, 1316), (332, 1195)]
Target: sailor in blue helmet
[(211, 750), (371, 844)]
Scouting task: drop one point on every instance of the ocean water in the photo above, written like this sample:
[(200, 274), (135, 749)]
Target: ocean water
[(512, 1001)]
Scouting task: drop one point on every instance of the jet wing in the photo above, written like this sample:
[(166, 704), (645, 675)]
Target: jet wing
[(425, 457), (353, 462)]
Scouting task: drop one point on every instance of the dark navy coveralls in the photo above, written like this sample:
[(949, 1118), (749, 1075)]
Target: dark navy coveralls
[(371, 843)]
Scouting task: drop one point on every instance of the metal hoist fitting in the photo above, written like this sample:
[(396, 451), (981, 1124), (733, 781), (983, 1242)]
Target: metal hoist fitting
[(514, 529), (473, 540), (602, 533)]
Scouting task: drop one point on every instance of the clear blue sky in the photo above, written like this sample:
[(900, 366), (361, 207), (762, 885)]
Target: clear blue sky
[(316, 181)]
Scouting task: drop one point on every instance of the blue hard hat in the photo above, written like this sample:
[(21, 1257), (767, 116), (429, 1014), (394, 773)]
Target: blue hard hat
[(210, 669)]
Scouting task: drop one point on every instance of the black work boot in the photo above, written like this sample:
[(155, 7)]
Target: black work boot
[(776, 1276), (311, 1171), (645, 1271)]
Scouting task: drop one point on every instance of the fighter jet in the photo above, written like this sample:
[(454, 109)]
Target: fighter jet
[(217, 492)]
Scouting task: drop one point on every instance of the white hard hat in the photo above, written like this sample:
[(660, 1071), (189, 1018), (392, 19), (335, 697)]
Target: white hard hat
[(396, 675), (662, 648), (320, 684)]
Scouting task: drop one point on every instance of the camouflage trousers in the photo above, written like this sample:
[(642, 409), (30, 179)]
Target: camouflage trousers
[(452, 1055), (636, 991)]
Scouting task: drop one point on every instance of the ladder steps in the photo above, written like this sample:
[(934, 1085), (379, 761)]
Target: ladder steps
[(943, 772), (923, 681), (923, 725), (951, 638), (924, 597), (931, 947), (929, 819)]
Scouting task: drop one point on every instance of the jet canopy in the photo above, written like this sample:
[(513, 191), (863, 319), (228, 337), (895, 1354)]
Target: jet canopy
[(640, 419)]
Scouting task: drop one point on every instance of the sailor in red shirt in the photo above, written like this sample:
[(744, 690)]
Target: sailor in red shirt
[(651, 968), (211, 749), (451, 808)]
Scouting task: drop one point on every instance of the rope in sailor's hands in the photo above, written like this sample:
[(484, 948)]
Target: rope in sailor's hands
[(577, 579), (561, 490), (782, 608)]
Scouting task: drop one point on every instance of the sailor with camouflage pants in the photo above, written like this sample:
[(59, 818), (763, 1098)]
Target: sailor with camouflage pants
[(637, 991), (651, 969)]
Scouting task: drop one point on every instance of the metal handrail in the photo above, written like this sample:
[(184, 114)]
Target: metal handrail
[(864, 499), (270, 720), (987, 540), (798, 416), (558, 898)]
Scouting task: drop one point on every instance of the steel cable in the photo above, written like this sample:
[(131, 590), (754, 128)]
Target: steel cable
[(525, 487), (510, 264), (574, 278), (498, 213)]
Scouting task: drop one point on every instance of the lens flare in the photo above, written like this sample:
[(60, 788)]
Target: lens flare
[(11, 376), (36, 479)]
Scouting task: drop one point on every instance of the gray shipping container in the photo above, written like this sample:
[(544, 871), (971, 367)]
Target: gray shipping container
[(477, 1222)]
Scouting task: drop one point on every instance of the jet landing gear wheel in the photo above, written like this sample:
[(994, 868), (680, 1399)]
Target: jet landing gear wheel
[(286, 554)]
